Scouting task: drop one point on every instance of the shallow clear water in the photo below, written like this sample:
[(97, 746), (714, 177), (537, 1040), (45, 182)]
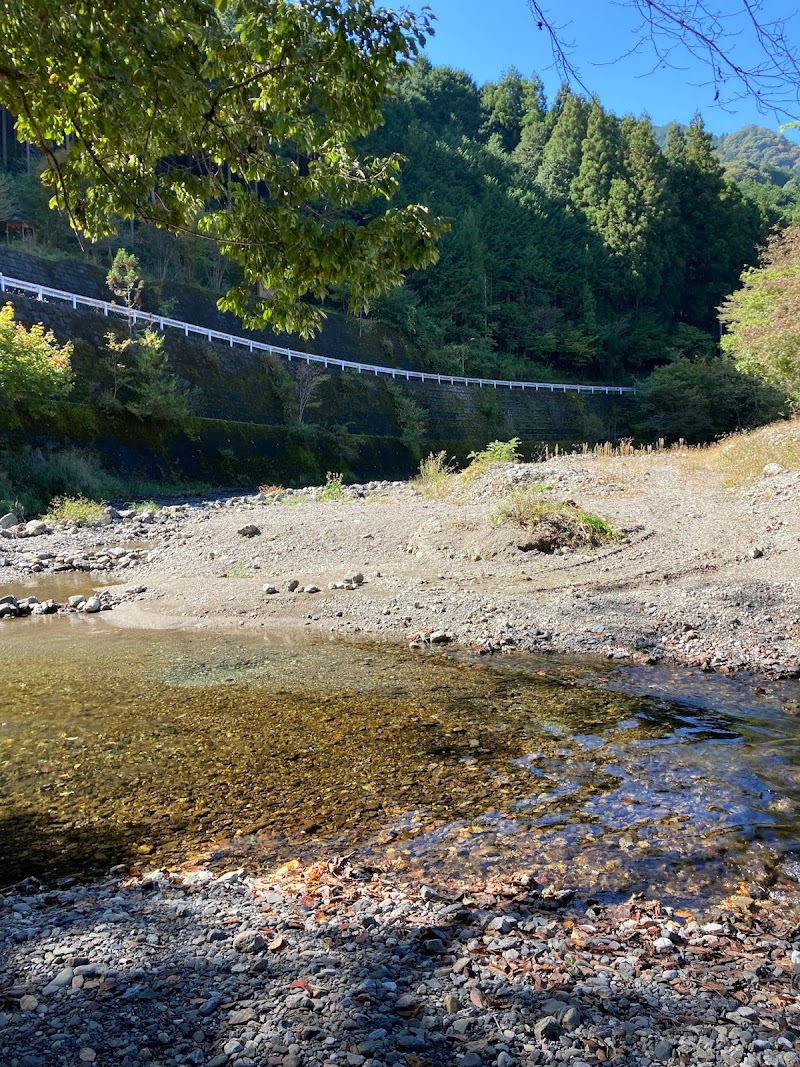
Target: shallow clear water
[(151, 747)]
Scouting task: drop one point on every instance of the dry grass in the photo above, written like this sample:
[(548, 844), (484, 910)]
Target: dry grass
[(435, 478), (735, 460), (740, 459)]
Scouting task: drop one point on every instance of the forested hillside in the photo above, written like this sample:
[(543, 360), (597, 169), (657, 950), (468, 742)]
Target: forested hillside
[(576, 244), (760, 146), (578, 247)]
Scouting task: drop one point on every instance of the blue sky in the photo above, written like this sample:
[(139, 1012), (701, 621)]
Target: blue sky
[(485, 37)]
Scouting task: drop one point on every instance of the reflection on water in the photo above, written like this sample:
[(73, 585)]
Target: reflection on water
[(151, 747), (59, 587)]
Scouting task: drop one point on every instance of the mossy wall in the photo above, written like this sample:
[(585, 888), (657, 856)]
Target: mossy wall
[(217, 451)]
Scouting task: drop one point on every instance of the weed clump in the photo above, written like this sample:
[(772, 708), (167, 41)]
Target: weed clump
[(551, 525), (333, 488), (435, 475), (495, 453)]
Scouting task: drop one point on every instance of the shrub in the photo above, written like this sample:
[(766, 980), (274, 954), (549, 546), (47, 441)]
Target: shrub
[(496, 452), (76, 509), (34, 370), (411, 418), (141, 381), (699, 400)]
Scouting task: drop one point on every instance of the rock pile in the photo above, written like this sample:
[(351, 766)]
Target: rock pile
[(12, 607)]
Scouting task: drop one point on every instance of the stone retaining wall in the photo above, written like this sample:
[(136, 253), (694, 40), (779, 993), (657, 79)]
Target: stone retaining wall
[(233, 384)]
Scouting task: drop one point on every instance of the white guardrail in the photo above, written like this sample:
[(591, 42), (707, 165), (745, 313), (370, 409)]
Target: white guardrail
[(43, 292)]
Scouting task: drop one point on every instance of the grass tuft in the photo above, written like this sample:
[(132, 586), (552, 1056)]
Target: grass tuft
[(435, 478), (555, 524)]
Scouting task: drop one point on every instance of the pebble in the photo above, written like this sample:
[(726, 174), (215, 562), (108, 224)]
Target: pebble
[(160, 986)]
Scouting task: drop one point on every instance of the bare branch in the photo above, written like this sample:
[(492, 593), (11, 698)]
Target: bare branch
[(747, 53)]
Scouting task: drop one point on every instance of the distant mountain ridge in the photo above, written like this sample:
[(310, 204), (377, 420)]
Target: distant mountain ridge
[(756, 145)]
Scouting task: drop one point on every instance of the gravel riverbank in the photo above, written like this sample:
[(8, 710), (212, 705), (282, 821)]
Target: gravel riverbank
[(701, 573), (337, 966), (342, 967)]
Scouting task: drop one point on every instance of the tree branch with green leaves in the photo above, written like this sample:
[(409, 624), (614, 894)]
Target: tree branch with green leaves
[(233, 120)]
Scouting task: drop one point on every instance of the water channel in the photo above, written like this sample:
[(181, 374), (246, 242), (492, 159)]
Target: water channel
[(151, 748)]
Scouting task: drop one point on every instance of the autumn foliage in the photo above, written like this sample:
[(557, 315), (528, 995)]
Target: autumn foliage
[(763, 316), (34, 370)]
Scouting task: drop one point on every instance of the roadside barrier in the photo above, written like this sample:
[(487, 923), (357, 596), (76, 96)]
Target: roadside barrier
[(163, 322)]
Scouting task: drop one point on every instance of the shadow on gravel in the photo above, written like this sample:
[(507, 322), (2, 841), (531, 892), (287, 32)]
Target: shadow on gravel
[(207, 974)]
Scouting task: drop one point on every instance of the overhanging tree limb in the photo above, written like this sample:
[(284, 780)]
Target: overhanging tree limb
[(196, 115)]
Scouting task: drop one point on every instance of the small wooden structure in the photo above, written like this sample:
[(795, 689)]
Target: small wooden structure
[(17, 227)]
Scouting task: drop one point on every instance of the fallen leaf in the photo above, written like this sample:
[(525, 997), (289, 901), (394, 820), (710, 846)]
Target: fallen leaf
[(477, 997)]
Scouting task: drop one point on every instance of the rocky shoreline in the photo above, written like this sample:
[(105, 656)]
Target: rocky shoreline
[(699, 574), (334, 965), (351, 966)]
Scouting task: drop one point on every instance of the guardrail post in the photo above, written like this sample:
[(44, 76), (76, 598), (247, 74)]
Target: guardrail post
[(39, 293), (2, 284)]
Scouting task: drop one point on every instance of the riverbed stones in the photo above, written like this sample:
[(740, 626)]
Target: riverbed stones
[(8, 520), (547, 1028), (92, 605), (344, 992)]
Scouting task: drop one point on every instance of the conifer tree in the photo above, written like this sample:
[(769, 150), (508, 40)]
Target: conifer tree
[(601, 163), (650, 214), (534, 131), (561, 159), (504, 105), (719, 230)]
